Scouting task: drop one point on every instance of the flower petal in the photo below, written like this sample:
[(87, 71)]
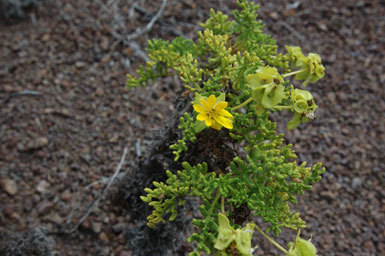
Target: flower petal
[(202, 117), (208, 121), (225, 122), (216, 126), (226, 114), (211, 101), (204, 104), (221, 105), (199, 109)]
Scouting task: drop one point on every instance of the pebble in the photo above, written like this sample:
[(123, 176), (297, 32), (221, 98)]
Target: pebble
[(103, 237), (8, 210), (43, 186), (54, 217), (37, 143), (125, 253), (118, 228), (44, 207), (96, 227), (357, 181), (9, 186), (66, 195), (80, 64)]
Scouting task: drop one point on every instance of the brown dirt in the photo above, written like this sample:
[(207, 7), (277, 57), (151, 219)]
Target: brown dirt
[(54, 144)]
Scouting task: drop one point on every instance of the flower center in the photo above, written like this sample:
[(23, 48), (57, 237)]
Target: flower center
[(212, 114)]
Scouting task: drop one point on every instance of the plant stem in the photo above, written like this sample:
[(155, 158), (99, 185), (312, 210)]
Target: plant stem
[(223, 205), (283, 107), (213, 204), (242, 104), (271, 240), (293, 73)]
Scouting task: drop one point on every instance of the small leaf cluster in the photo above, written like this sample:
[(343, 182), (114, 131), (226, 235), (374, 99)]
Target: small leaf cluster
[(192, 181), (238, 65), (188, 135)]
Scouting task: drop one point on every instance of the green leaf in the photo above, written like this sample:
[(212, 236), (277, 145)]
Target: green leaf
[(302, 247), (300, 106), (294, 53), (225, 233), (199, 126), (313, 70), (243, 239), (221, 97), (267, 88), (293, 123), (273, 95)]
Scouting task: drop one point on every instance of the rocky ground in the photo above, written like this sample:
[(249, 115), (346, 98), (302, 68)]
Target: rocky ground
[(65, 116)]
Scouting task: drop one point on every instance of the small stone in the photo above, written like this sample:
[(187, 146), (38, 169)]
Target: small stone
[(45, 37), (61, 112), (104, 43), (125, 253), (80, 64), (44, 207), (356, 182), (274, 15), (86, 224), (8, 210), (64, 112), (331, 96), (15, 216), (54, 217), (99, 92), (106, 58), (21, 147), (41, 154), (322, 26), (35, 198), (106, 220), (9, 186), (118, 228), (96, 227), (103, 237), (13, 142), (28, 205), (369, 245), (328, 195), (66, 196), (114, 138), (37, 143), (42, 186)]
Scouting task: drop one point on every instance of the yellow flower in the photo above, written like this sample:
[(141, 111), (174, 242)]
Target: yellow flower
[(213, 113)]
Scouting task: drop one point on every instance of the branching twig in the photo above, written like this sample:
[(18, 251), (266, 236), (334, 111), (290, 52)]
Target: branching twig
[(24, 92), (293, 31), (96, 202), (141, 31), (128, 39), (134, 46)]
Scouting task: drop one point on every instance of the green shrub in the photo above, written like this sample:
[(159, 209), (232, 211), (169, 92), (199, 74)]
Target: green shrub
[(235, 78)]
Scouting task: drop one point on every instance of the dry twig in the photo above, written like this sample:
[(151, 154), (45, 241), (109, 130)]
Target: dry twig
[(102, 195), (293, 31), (128, 39), (22, 93), (141, 31)]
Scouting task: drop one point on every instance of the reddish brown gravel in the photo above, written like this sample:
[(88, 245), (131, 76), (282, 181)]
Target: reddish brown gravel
[(65, 116)]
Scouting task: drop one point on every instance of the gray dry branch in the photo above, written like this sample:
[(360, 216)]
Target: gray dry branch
[(124, 37), (96, 202)]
